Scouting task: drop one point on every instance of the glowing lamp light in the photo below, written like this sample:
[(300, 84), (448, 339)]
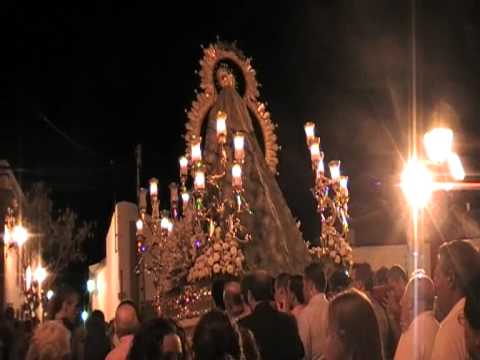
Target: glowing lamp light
[(237, 176), (153, 187), (438, 144), (40, 274), (334, 167), (139, 225), (185, 198), (417, 184), (28, 277), (91, 285), (19, 235), (166, 224), (50, 294), (183, 161), (221, 126), (199, 181), (7, 237), (84, 315), (309, 132), (239, 146), (196, 150), (455, 166)]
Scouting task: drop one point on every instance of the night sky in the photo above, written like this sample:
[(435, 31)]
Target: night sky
[(84, 84)]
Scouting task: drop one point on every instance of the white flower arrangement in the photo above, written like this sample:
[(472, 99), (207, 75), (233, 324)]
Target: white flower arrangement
[(218, 257)]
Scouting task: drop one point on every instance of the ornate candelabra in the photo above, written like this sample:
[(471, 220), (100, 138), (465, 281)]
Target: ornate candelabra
[(331, 195), (201, 238)]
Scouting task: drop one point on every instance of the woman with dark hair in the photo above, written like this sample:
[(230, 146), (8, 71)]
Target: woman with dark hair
[(157, 339), (353, 332), (97, 344), (216, 338)]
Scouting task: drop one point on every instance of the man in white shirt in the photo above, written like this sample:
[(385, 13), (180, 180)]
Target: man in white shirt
[(417, 319), (472, 320), (312, 321), (458, 263)]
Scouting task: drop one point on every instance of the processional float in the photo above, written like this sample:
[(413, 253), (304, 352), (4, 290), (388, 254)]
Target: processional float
[(227, 214)]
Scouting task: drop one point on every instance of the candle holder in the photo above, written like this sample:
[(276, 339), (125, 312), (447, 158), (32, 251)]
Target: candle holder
[(204, 239), (332, 196)]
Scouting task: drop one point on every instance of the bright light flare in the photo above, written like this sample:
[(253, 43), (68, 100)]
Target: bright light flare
[(438, 144), (417, 183), (40, 274), (91, 285), (456, 167), (19, 235)]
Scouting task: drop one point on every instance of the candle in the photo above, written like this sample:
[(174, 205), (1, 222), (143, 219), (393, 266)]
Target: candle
[(310, 132), (221, 126), (334, 166), (183, 166), (199, 181), (165, 223), (173, 192), (315, 150), (185, 199), (139, 226), (239, 144), (320, 166), (153, 187), (28, 277), (196, 150), (344, 182), (237, 176), (142, 202)]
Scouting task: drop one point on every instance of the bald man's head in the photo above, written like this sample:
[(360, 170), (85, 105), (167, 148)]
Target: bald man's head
[(126, 319), (419, 296)]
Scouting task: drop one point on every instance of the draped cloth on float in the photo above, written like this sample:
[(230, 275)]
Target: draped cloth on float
[(277, 243)]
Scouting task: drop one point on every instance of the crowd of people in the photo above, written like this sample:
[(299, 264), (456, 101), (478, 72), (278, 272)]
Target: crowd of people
[(320, 314)]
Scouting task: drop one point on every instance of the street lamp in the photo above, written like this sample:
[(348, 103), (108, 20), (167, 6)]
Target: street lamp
[(416, 183)]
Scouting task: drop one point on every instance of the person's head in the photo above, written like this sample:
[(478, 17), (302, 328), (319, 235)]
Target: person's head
[(362, 276), (339, 281), (281, 287), (126, 319), (471, 312), (296, 296), (419, 296), (314, 281), (232, 298), (458, 263), (157, 339), (65, 304), (217, 293), (381, 276), (261, 288), (353, 331), (95, 324), (216, 337), (396, 281), (50, 341), (245, 285)]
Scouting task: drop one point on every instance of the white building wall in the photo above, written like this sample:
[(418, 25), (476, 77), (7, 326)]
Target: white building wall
[(13, 279), (115, 274)]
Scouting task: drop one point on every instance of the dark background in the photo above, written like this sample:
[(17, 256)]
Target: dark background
[(85, 83)]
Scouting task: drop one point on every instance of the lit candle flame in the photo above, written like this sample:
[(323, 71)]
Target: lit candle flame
[(239, 145), (456, 168), (199, 182), (237, 176), (183, 161), (315, 150), (334, 166), (310, 132), (153, 187), (196, 150), (221, 126)]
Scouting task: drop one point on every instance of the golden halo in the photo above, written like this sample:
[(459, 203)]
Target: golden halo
[(206, 98)]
